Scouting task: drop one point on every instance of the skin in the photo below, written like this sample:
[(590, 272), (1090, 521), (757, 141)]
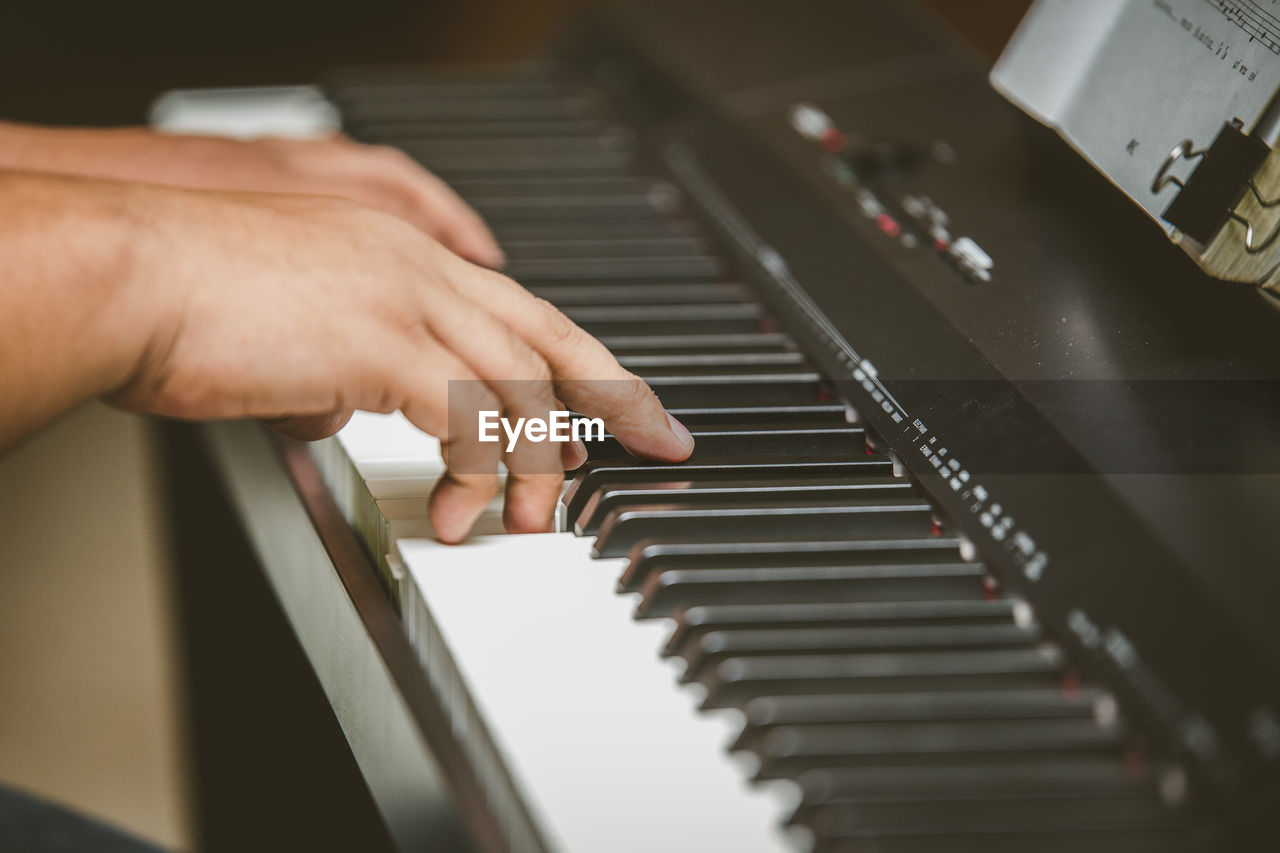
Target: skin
[(376, 176), (294, 307)]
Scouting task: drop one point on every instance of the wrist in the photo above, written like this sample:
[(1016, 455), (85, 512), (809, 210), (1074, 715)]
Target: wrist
[(83, 243), (119, 153), (143, 301), (77, 320)]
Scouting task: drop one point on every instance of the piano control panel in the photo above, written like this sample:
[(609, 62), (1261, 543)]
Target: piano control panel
[(879, 178)]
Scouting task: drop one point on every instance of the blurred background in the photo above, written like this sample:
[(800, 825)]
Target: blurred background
[(91, 687)]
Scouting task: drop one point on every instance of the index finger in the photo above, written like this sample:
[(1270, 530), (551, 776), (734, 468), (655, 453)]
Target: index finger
[(448, 218), (587, 376)]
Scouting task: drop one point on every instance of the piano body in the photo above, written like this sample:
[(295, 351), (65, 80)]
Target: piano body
[(976, 550)]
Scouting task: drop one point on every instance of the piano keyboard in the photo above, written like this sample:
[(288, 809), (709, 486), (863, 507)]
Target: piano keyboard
[(849, 654)]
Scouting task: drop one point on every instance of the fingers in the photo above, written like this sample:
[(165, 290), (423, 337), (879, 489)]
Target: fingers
[(573, 454), (470, 480), (435, 208), (521, 381), (385, 179), (535, 473), (310, 427), (587, 377), (462, 229), (496, 372)]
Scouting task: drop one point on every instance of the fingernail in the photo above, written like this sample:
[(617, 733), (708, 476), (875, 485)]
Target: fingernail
[(573, 454), (679, 431)]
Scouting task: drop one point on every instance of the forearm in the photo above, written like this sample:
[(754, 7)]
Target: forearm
[(63, 150), (72, 325), (119, 153), (376, 177)]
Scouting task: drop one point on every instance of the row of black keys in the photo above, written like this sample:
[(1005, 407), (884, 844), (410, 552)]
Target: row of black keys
[(810, 587)]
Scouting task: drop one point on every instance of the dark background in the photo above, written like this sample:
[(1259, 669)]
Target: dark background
[(82, 62)]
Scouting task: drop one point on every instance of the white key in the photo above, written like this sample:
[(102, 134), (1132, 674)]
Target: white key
[(606, 747), (395, 459), (399, 465)]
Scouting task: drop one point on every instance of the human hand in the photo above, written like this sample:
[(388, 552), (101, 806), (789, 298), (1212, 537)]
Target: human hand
[(304, 308), (379, 177)]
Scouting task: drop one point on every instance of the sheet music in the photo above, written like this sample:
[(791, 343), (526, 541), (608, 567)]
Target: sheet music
[(1124, 81)]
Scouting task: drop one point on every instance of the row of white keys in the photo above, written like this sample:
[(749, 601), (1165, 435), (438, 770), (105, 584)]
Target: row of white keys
[(606, 747), (608, 750)]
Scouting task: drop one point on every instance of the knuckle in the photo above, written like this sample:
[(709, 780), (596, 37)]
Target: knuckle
[(520, 361), (540, 371), (487, 399), (632, 398), (384, 152), (636, 391), (490, 486), (560, 328)]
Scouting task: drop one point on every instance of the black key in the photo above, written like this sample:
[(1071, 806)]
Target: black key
[(662, 315), (968, 814), (586, 185), (655, 293), (755, 341), (655, 267), (739, 492), (1066, 838), (1045, 780), (594, 474), (452, 167), (1038, 704), (716, 646), (808, 415), (670, 590), (619, 247), (430, 92), (696, 622), (602, 229), (719, 363), (736, 681), (701, 326), (791, 750), (571, 209), (375, 131), (1005, 799), (767, 713), (499, 149), (447, 109), (540, 80), (835, 441), (737, 389), (756, 367), (891, 568), (623, 528), (515, 143)]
